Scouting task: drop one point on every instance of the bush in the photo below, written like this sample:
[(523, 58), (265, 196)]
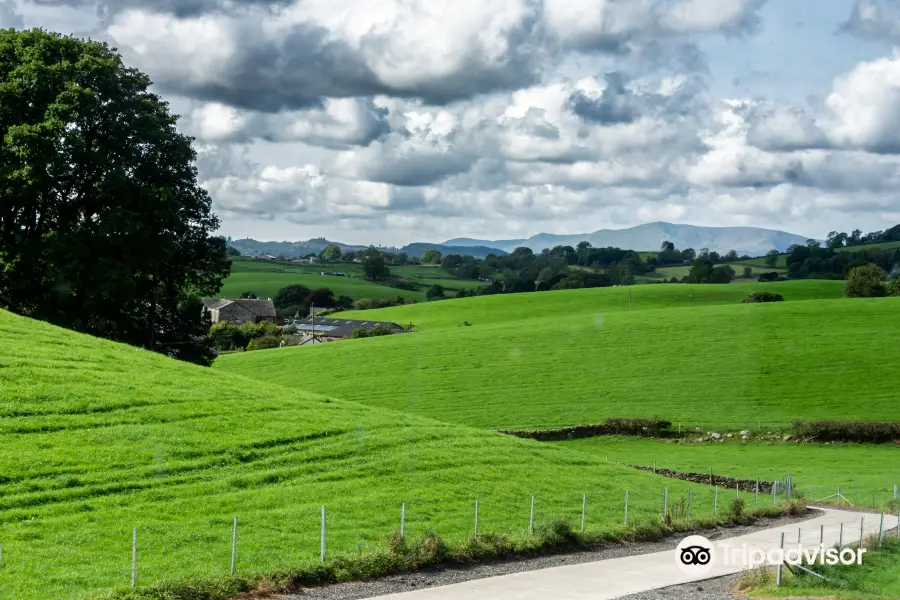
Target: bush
[(265, 342), (556, 533), (866, 281), (763, 297), (409, 286), (737, 510), (848, 431), (893, 287), (435, 292)]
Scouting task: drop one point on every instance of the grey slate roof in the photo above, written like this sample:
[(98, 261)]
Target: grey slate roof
[(260, 308), (331, 327)]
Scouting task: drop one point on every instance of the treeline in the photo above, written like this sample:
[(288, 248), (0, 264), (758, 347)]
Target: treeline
[(838, 239), (558, 268), (813, 261)]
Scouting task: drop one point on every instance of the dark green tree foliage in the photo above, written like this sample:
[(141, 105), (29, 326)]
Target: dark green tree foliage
[(292, 295), (103, 227), (331, 253), (375, 267), (435, 292), (249, 295), (866, 281), (763, 297), (703, 270)]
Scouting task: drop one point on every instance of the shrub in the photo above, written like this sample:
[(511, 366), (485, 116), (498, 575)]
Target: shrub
[(264, 342), (848, 431), (893, 287), (556, 533), (397, 543), (763, 297), (737, 510), (866, 281), (406, 285)]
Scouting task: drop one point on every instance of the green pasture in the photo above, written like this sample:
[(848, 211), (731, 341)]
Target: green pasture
[(100, 438), (863, 471), (504, 308), (817, 359)]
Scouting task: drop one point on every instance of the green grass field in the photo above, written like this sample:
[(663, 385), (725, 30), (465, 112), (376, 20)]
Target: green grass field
[(684, 271), (505, 308), (817, 469), (877, 578), (100, 437), (708, 364), (265, 278)]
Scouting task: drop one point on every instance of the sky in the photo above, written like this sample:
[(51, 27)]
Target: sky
[(393, 121)]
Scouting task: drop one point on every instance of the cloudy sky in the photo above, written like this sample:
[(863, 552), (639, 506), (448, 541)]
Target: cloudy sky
[(391, 121)]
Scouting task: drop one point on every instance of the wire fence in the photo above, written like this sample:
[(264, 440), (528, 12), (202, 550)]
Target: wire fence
[(163, 547)]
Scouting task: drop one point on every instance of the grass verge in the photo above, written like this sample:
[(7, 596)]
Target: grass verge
[(401, 555), (877, 577)]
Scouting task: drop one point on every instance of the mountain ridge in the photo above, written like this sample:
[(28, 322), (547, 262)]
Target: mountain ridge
[(649, 236)]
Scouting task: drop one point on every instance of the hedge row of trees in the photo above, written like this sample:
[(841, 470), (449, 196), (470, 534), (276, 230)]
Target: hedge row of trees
[(813, 261)]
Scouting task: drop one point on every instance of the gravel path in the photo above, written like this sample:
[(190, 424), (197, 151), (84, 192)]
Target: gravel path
[(712, 589)]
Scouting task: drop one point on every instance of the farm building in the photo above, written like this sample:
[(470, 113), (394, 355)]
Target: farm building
[(239, 311), (329, 330)]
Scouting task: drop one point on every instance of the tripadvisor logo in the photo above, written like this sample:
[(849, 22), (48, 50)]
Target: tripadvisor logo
[(696, 555)]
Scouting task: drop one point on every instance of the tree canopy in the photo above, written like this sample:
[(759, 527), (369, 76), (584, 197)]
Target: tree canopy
[(103, 226)]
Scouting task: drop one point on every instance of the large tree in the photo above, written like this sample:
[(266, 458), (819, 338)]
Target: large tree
[(103, 226)]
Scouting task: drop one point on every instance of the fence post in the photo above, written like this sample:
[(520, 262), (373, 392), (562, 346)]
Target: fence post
[(841, 537), (861, 531), (710, 474), (756, 495), (774, 487), (531, 519), (476, 517), (665, 503), (234, 546), (583, 510), (403, 519), (798, 535), (626, 509), (716, 502), (881, 530), (322, 541), (821, 535), (689, 504), (898, 520), (134, 557), (781, 564), (737, 490)]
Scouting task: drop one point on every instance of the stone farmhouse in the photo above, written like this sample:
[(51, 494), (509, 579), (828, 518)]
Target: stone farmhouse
[(240, 311)]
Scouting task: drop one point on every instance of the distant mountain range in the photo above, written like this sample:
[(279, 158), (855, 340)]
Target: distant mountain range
[(754, 241), (250, 247), (745, 240)]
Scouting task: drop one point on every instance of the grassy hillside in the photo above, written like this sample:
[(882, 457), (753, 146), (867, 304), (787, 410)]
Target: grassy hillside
[(817, 469), (265, 278), (710, 364), (503, 308), (100, 437), (684, 271)]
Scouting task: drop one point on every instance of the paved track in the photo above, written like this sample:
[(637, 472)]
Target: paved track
[(617, 577)]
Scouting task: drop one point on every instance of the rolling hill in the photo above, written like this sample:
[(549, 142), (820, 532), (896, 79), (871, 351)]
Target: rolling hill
[(699, 365), (649, 236), (504, 308), (100, 437)]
